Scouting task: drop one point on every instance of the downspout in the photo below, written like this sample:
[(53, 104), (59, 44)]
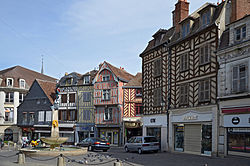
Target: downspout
[(168, 95)]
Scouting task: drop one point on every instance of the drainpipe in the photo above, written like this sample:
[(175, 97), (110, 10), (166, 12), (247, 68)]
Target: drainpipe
[(168, 95)]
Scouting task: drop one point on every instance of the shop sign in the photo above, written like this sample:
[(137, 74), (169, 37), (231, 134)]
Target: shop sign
[(240, 120), (190, 117), (152, 120)]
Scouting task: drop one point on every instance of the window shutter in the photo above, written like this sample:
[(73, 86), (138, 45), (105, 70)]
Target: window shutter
[(182, 62), (235, 78), (155, 97), (242, 78), (201, 55), (186, 94), (207, 90), (201, 88), (207, 52), (155, 68)]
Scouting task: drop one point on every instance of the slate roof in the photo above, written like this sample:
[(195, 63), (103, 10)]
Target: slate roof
[(120, 73), (49, 89), (135, 82), (19, 72)]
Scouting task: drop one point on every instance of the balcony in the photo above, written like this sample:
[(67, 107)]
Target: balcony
[(67, 105)]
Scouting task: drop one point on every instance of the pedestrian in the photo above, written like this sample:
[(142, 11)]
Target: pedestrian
[(1, 143)]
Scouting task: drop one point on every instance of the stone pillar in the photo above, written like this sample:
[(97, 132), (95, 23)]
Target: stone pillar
[(2, 100), (60, 161), (16, 104), (54, 128)]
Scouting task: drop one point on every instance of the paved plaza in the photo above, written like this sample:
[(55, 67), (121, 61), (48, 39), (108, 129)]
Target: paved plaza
[(8, 157)]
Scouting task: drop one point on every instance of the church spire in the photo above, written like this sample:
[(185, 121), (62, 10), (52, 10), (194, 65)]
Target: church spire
[(42, 65)]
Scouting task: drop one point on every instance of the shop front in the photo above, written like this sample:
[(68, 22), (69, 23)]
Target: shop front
[(112, 134), (238, 133), (156, 126), (192, 132), (85, 131), (132, 127)]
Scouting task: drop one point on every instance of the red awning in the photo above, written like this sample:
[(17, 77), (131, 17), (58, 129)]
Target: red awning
[(235, 110)]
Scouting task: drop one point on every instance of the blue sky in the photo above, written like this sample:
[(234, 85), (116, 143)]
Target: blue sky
[(77, 35)]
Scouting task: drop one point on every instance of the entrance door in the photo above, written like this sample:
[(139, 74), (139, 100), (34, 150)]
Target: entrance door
[(179, 138), (110, 137), (115, 136), (192, 138)]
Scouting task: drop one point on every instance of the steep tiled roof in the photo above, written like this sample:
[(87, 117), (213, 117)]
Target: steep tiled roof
[(49, 89), (135, 82), (19, 72), (120, 73)]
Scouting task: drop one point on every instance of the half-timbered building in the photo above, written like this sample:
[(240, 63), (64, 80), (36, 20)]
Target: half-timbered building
[(108, 100), (67, 111), (193, 110), (85, 126), (132, 108)]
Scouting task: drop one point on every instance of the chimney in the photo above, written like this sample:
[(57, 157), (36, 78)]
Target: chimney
[(181, 11), (239, 8)]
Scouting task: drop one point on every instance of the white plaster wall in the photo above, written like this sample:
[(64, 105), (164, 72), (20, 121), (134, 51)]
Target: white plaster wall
[(16, 104), (2, 100)]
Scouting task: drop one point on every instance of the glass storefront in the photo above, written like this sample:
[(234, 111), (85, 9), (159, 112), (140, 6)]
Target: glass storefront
[(239, 142), (154, 131), (179, 138), (206, 142)]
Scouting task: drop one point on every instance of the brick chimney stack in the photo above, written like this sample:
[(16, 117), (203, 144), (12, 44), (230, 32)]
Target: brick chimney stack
[(181, 11), (239, 9)]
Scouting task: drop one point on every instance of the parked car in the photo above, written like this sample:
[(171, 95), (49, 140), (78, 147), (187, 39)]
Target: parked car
[(95, 144), (142, 144)]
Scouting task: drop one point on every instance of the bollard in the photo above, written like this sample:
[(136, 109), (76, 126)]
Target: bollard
[(60, 161), (14, 146), (21, 158), (117, 163)]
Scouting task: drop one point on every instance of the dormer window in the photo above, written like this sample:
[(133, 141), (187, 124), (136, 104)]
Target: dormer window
[(185, 29), (68, 81), (10, 82), (22, 83), (240, 33), (105, 78), (205, 20), (86, 79)]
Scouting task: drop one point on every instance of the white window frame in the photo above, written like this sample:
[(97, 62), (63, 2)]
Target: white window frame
[(106, 94), (86, 79), (242, 34), (48, 116), (9, 98), (108, 114), (7, 82), (240, 77), (41, 116), (105, 78), (22, 85)]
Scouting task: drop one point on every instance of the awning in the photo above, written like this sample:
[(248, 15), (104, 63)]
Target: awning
[(235, 110)]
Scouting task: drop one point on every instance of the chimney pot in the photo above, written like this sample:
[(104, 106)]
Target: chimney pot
[(181, 12)]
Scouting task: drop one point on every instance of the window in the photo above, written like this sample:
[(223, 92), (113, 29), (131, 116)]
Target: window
[(72, 98), (185, 29), (184, 62), (32, 117), (86, 79), (21, 97), (9, 97), (9, 114), (157, 97), (184, 94), (86, 96), (157, 67), (72, 114), (138, 109), (10, 82), (105, 78), (239, 78), (38, 101), (138, 93), (106, 94), (64, 98), (204, 54), (108, 114), (22, 83), (240, 33), (25, 119), (205, 18), (86, 114), (48, 116), (40, 116), (204, 90), (68, 81), (64, 115)]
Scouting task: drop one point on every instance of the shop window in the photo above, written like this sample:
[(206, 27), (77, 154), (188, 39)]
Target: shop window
[(205, 54), (239, 78), (40, 116), (151, 131), (157, 97), (184, 94), (184, 62), (206, 142), (204, 90), (108, 113), (8, 135), (86, 96), (63, 98), (9, 97), (10, 82), (239, 141), (106, 94), (157, 67), (179, 138)]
